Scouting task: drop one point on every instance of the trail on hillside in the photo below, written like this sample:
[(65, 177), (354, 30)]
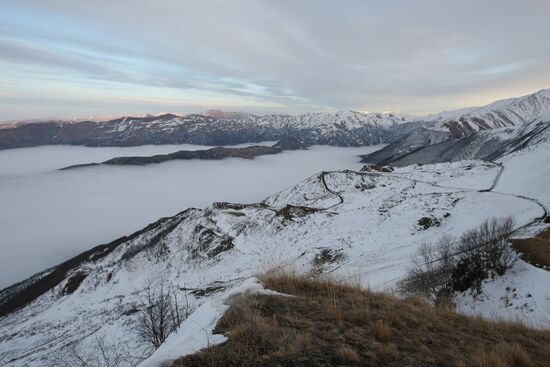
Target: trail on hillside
[(340, 197), (494, 184)]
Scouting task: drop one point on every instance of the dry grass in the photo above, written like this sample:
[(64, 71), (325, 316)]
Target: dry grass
[(329, 323), (535, 250)]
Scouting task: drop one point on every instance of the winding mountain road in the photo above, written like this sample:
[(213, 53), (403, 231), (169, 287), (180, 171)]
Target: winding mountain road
[(494, 184), (497, 178), (340, 197)]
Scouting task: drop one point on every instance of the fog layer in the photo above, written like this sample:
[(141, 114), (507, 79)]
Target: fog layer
[(47, 216)]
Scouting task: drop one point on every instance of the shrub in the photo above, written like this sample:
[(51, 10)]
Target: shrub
[(483, 252), (160, 313), (432, 271), (450, 266)]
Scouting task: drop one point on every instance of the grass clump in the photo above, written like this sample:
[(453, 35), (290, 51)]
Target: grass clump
[(535, 250), (330, 323)]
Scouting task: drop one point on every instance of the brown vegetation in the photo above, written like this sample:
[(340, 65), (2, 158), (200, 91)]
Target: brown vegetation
[(329, 323), (535, 250)]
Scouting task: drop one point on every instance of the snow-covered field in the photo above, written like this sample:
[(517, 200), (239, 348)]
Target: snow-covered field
[(527, 173), (366, 221), (524, 292), (47, 216)]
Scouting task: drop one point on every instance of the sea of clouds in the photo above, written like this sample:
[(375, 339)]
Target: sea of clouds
[(48, 216)]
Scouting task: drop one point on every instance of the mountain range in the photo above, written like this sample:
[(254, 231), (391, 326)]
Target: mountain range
[(438, 176), (485, 132)]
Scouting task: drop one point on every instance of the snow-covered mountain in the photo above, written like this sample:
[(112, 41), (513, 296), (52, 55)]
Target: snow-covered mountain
[(487, 132), (512, 112), (479, 132), (364, 225), (367, 224), (343, 128)]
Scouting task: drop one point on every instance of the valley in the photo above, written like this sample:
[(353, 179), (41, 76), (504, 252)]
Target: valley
[(313, 210), (50, 215), (367, 221), (251, 183)]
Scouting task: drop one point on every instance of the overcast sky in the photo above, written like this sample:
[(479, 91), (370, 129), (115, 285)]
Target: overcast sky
[(70, 58)]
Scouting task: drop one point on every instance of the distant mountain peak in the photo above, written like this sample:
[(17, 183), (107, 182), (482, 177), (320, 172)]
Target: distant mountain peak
[(221, 114)]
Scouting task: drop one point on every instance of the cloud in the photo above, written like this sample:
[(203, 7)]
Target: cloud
[(416, 57), (49, 216)]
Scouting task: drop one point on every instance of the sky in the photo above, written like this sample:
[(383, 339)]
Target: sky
[(67, 59)]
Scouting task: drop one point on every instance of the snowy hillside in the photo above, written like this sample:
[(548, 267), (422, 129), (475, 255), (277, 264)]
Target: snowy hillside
[(523, 292), (340, 128), (505, 113), (486, 133), (352, 224)]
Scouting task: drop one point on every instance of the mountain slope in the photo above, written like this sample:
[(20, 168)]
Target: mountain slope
[(487, 133), (330, 323), (511, 112), (358, 224), (343, 128)]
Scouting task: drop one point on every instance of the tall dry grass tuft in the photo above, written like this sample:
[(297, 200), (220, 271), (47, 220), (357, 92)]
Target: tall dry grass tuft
[(333, 323), (535, 250), (382, 330), (491, 359), (518, 357)]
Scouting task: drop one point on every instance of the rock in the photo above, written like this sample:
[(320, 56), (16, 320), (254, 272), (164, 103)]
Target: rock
[(427, 222), (74, 282), (376, 168)]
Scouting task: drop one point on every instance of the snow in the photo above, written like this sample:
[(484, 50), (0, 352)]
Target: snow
[(522, 294), (47, 216), (466, 174), (370, 218), (511, 112), (196, 332), (527, 173)]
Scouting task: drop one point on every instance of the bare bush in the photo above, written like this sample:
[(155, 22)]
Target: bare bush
[(484, 252), (449, 266), (98, 353), (431, 273), (160, 313)]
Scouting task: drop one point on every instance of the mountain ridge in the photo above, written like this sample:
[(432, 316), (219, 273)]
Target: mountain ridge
[(487, 132), (340, 128), (331, 215)]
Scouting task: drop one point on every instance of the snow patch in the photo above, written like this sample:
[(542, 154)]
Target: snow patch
[(523, 294), (196, 332)]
